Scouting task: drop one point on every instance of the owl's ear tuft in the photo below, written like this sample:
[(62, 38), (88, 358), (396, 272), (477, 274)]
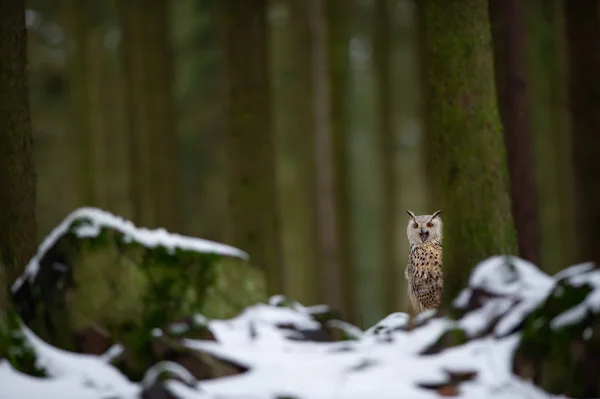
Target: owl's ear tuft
[(436, 214), (412, 215)]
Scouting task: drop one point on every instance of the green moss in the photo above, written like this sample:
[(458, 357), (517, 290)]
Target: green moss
[(465, 155), (15, 348), (449, 338), (115, 288), (237, 285), (560, 353)]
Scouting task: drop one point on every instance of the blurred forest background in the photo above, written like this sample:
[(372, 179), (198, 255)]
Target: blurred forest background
[(301, 130)]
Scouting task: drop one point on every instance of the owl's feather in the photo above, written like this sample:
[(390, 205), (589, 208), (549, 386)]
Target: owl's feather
[(425, 276), (424, 273)]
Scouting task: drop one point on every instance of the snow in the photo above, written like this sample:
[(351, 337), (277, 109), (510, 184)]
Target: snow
[(71, 375), (147, 237), (260, 321), (385, 361), (152, 374), (16, 385), (521, 284), (584, 274)]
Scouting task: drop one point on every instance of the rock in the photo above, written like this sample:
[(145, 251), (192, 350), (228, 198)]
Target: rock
[(14, 346), (560, 345), (513, 332), (97, 280)]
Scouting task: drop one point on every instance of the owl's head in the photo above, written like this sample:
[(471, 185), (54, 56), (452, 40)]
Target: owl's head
[(424, 228)]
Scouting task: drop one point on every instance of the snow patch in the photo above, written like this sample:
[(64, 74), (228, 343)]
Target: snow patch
[(99, 219), (385, 361)]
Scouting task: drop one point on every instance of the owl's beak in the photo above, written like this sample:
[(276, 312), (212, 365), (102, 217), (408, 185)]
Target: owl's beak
[(424, 235)]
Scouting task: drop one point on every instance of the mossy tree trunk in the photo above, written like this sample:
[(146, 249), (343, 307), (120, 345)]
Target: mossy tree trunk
[(465, 152), (382, 51), (294, 123), (583, 35), (85, 32), (546, 73), (152, 133), (337, 17), (17, 173), (249, 140), (508, 33)]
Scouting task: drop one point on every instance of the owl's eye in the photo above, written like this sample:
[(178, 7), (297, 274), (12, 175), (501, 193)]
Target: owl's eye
[(430, 225), (415, 225)]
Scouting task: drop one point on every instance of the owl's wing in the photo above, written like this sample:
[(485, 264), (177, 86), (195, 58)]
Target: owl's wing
[(427, 279)]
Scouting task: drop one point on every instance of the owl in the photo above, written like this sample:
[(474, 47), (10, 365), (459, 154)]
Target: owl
[(424, 270)]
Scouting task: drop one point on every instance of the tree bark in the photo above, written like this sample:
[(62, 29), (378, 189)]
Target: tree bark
[(382, 63), (332, 276), (152, 134), (89, 131), (249, 140), (17, 171), (294, 122), (583, 36), (508, 33), (337, 38), (465, 152), (546, 59)]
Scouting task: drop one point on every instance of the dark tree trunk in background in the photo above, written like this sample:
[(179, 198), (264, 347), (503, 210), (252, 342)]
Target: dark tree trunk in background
[(137, 119), (383, 74), (545, 39), (465, 152), (294, 123), (249, 139), (89, 138), (332, 275), (337, 17), (82, 140), (162, 107), (507, 20), (153, 141), (17, 172), (583, 36)]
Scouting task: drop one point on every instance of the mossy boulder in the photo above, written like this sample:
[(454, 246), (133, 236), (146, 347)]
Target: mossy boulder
[(555, 320), (14, 346), (97, 280), (560, 345)]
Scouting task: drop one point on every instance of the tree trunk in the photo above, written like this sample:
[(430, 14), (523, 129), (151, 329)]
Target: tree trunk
[(583, 36), (465, 151), (546, 52), (252, 197), (78, 27), (17, 172), (410, 143), (153, 140), (507, 20), (89, 139), (294, 121), (387, 148), (332, 273), (338, 37)]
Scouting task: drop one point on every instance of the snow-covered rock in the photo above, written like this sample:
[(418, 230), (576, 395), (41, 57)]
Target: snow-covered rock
[(98, 281), (513, 332)]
